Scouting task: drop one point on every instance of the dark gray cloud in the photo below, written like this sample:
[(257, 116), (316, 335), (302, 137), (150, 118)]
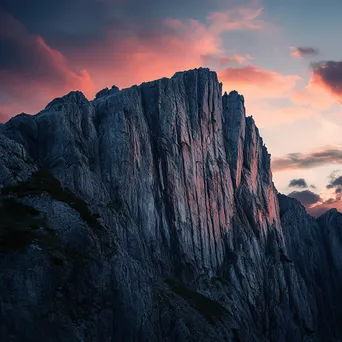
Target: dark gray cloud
[(28, 56), (298, 183), (306, 161), (301, 51), (83, 22), (329, 75), (335, 182), (30, 70), (306, 197)]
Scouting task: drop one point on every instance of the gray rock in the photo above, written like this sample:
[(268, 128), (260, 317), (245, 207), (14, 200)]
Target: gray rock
[(154, 218), (105, 92)]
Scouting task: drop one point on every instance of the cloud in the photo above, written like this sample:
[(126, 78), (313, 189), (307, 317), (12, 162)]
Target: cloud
[(301, 52), (217, 61), (236, 20), (255, 82), (313, 203), (87, 22), (32, 70), (324, 88), (328, 75), (320, 209), (298, 183), (273, 113), (116, 42), (306, 197), (304, 161), (312, 96), (131, 59), (335, 181), (140, 50)]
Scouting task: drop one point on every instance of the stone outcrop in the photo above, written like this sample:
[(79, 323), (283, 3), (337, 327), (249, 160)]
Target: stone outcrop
[(149, 214)]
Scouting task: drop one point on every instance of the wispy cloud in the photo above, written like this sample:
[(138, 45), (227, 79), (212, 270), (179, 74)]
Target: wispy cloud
[(217, 61), (301, 52), (294, 161), (236, 19)]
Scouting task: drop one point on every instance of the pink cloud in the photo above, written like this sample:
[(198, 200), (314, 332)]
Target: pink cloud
[(217, 61), (322, 156), (321, 208), (255, 82), (313, 96), (126, 59), (269, 114), (324, 88), (41, 72), (129, 56)]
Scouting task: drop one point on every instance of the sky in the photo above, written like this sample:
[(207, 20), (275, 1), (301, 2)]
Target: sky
[(285, 57)]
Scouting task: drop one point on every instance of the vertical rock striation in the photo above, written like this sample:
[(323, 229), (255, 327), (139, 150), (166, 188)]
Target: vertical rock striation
[(149, 214)]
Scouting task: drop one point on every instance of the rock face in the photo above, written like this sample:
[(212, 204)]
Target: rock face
[(149, 214)]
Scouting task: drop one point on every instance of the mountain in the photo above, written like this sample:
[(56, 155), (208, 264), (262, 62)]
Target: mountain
[(149, 214)]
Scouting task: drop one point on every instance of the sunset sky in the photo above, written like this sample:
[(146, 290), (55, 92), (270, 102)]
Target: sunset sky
[(285, 57)]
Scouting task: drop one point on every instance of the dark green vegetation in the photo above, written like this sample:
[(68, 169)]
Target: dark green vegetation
[(21, 225), (209, 308), (43, 181)]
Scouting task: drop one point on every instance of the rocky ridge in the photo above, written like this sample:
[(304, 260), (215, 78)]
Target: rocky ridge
[(149, 214)]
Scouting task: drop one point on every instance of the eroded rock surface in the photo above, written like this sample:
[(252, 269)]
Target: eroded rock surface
[(149, 214)]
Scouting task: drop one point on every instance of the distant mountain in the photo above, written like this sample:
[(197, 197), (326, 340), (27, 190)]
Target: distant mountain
[(149, 214)]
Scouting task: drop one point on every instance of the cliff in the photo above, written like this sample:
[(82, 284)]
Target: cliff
[(149, 214)]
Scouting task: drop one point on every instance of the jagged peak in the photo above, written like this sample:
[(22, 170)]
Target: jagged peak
[(234, 96), (330, 213), (106, 92), (250, 122), (16, 120), (196, 70), (289, 203), (73, 96)]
